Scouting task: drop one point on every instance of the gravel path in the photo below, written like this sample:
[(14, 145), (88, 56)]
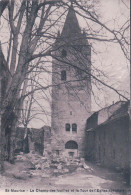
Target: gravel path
[(92, 181)]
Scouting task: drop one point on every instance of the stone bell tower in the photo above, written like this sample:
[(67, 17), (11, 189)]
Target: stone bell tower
[(71, 90)]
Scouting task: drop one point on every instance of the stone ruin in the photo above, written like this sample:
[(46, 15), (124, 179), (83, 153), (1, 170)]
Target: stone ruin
[(33, 142), (49, 165), (36, 151)]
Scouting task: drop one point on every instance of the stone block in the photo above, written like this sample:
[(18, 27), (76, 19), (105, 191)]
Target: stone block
[(20, 175), (34, 173), (45, 165), (45, 175), (29, 165), (44, 158), (38, 166), (59, 167), (56, 171), (79, 169), (20, 158), (65, 170)]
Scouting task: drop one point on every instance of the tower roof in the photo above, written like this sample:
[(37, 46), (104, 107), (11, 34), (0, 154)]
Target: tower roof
[(71, 25), (71, 32)]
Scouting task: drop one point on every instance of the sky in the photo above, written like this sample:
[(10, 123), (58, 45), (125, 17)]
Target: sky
[(111, 59)]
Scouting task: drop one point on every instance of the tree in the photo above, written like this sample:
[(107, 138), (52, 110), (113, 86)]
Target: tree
[(21, 18), (32, 27)]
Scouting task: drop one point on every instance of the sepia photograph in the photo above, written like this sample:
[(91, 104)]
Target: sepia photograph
[(65, 109)]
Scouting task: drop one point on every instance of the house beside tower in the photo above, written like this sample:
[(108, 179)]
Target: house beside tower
[(71, 89)]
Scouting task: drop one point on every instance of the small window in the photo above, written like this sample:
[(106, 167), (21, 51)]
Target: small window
[(64, 53), (67, 127), (74, 127), (70, 112), (63, 75)]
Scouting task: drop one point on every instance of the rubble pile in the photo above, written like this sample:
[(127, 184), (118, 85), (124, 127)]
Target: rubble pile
[(48, 165)]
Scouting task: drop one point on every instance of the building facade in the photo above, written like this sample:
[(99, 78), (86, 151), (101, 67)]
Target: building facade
[(107, 137), (71, 90)]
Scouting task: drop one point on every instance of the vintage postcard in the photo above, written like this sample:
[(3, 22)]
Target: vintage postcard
[(65, 97)]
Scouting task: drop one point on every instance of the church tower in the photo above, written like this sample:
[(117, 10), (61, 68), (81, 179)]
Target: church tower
[(71, 89)]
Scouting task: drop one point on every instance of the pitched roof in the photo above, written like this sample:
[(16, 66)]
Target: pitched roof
[(105, 115), (71, 33), (71, 25)]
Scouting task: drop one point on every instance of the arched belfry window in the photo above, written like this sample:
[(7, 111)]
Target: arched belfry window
[(64, 53), (74, 127), (63, 75), (67, 127), (71, 145)]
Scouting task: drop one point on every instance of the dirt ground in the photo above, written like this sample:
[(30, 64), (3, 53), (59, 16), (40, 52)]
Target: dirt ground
[(94, 180)]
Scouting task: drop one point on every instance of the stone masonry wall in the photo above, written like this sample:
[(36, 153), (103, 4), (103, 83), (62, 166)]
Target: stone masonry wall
[(34, 141), (71, 103), (110, 142)]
